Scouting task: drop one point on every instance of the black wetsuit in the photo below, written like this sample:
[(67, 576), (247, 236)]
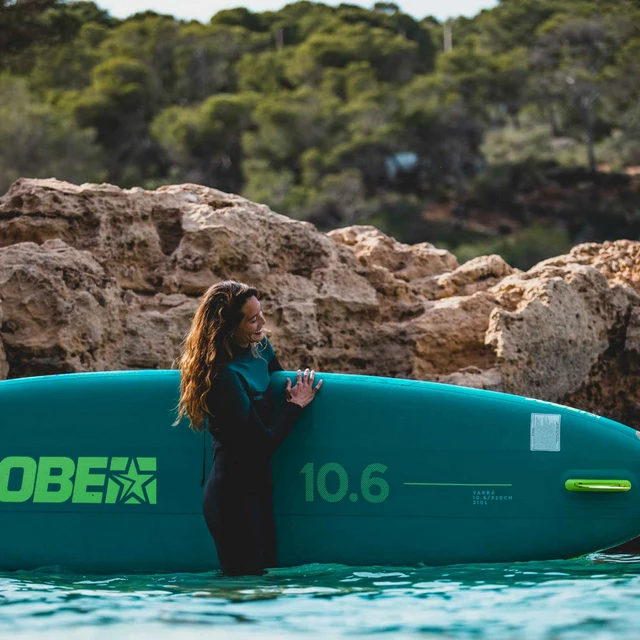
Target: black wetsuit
[(247, 427)]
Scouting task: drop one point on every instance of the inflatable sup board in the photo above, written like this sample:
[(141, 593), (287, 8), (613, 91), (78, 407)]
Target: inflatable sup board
[(377, 472)]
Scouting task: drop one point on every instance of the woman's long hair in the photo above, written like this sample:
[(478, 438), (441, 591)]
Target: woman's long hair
[(208, 345)]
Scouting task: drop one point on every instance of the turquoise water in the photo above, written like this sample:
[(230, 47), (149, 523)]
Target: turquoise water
[(596, 597)]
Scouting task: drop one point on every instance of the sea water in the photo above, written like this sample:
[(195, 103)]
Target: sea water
[(595, 597)]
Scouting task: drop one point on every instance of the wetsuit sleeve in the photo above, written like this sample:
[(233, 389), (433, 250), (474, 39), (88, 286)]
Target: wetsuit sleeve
[(272, 358), (236, 421), (274, 364)]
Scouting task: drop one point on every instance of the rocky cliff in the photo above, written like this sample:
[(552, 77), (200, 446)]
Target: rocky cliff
[(94, 277)]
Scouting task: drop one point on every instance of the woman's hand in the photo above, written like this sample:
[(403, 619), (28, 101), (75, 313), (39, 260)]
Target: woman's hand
[(303, 393)]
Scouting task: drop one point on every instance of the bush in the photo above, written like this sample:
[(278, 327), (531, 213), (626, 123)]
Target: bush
[(622, 149), (531, 143), (522, 249)]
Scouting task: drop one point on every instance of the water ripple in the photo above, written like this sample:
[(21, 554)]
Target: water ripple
[(595, 597)]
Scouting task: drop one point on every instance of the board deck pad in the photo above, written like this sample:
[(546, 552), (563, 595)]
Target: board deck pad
[(93, 476)]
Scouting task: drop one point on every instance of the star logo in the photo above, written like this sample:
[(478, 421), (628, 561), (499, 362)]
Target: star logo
[(133, 482)]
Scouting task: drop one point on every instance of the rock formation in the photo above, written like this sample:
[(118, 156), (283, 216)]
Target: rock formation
[(94, 277)]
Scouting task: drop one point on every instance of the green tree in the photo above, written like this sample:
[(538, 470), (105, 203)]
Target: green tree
[(386, 7), (22, 23), (512, 24), (488, 83), (289, 124), (148, 40), (206, 61), (40, 141), (69, 67), (264, 72), (295, 22), (240, 17), (205, 142), (332, 113), (370, 138), (571, 54), (393, 57), (30, 28), (119, 104), (443, 131)]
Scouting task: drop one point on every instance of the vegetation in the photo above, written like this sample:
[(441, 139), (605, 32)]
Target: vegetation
[(340, 115)]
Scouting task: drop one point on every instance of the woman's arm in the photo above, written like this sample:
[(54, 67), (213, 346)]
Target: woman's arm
[(236, 422), (274, 363)]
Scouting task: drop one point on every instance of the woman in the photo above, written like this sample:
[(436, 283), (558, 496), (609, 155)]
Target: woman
[(225, 368)]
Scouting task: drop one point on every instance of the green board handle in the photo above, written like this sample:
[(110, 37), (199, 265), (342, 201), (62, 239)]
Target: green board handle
[(610, 486)]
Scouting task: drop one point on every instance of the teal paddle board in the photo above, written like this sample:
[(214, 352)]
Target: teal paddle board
[(377, 472)]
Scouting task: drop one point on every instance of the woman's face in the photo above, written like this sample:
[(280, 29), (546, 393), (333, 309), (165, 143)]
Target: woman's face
[(250, 328)]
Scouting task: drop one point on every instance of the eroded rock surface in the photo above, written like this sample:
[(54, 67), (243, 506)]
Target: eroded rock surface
[(4, 365), (93, 277)]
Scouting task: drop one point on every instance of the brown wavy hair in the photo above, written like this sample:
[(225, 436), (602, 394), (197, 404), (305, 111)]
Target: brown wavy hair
[(208, 345)]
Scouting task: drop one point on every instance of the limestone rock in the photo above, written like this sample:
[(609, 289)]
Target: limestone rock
[(94, 277), (4, 365), (119, 227), (396, 271), (475, 275), (489, 379), (451, 336), (406, 262), (632, 338), (162, 249), (153, 332), (61, 312), (618, 261), (554, 325)]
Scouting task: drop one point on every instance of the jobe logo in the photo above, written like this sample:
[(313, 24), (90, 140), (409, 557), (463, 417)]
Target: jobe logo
[(80, 480)]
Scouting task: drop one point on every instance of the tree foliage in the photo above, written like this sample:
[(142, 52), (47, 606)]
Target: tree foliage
[(41, 141), (332, 114)]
